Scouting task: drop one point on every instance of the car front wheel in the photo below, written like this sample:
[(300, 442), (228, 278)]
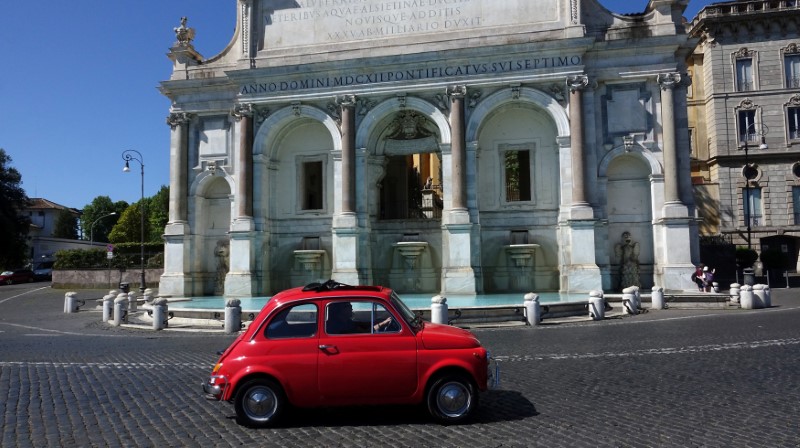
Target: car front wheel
[(259, 403), (452, 398)]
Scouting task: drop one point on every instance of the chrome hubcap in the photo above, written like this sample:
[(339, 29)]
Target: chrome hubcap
[(261, 404), (453, 399)]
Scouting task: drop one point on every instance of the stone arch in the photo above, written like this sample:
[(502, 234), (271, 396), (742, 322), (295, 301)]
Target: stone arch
[(269, 132), (648, 157), (526, 95), (371, 123)]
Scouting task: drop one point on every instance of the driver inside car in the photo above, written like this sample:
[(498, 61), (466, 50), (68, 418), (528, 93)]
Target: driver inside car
[(341, 321)]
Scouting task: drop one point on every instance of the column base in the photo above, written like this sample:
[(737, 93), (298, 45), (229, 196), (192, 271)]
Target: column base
[(345, 249)]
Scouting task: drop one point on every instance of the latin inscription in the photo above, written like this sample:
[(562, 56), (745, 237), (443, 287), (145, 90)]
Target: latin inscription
[(485, 68), (306, 22)]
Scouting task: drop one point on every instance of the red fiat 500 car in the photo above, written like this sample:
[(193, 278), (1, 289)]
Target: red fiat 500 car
[(331, 344)]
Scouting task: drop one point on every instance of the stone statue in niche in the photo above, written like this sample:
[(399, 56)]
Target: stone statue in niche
[(222, 256), (627, 252)]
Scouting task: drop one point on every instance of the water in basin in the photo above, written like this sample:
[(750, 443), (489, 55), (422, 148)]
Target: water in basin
[(414, 301)]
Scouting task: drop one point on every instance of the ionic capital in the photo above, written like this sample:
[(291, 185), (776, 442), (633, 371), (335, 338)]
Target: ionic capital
[(577, 83), (669, 80), (242, 110), (176, 119)]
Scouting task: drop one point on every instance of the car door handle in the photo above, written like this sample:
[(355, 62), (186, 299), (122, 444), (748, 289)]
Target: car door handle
[(329, 349)]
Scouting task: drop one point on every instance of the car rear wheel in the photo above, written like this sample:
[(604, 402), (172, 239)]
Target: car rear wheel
[(259, 403), (452, 398)]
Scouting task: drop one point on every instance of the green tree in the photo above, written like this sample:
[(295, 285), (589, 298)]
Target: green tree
[(14, 226), (66, 225), (158, 213), (95, 218), (128, 228)]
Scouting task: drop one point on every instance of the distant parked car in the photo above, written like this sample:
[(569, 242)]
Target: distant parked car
[(16, 276), (43, 271), (331, 344)]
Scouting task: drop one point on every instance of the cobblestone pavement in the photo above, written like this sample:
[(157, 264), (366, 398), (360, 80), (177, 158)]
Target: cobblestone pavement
[(666, 378)]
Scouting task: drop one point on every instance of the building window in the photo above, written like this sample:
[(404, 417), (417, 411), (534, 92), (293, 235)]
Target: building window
[(796, 204), (752, 206), (744, 74), (311, 186), (517, 175), (747, 125), (793, 118), (792, 67)]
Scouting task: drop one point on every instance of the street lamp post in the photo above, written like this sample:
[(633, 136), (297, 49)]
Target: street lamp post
[(127, 156), (91, 228), (749, 174)]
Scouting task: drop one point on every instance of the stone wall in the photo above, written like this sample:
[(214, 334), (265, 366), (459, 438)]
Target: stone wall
[(104, 278)]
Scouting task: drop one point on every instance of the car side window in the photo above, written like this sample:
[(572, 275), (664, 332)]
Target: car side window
[(359, 317), (299, 321)]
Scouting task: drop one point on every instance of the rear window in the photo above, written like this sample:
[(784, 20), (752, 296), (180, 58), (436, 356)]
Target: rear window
[(299, 321)]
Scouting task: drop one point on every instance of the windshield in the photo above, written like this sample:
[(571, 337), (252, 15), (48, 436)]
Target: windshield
[(413, 320)]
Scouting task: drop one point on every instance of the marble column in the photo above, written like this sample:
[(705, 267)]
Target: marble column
[(346, 232), (580, 208), (348, 114), (459, 147), (178, 166), (673, 235), (240, 280), (458, 277), (177, 242), (668, 81), (243, 113)]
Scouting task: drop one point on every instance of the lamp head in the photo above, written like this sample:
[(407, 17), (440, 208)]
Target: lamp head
[(127, 168)]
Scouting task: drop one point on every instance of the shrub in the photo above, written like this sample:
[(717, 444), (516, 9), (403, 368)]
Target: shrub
[(745, 257)]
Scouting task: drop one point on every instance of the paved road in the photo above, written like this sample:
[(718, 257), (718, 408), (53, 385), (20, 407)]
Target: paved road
[(665, 378)]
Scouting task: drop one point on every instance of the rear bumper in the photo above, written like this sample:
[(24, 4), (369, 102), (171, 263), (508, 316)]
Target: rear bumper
[(214, 388), (492, 374)]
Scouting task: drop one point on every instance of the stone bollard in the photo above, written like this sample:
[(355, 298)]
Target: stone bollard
[(439, 310), (767, 297), (637, 297), (70, 302), (233, 316), (533, 312), (132, 301), (629, 301), (734, 292), (715, 287), (746, 298), (160, 313), (108, 306), (148, 296), (597, 305), (759, 299), (120, 310), (657, 298)]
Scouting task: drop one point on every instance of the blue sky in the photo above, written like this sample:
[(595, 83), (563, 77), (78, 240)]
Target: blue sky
[(79, 85)]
